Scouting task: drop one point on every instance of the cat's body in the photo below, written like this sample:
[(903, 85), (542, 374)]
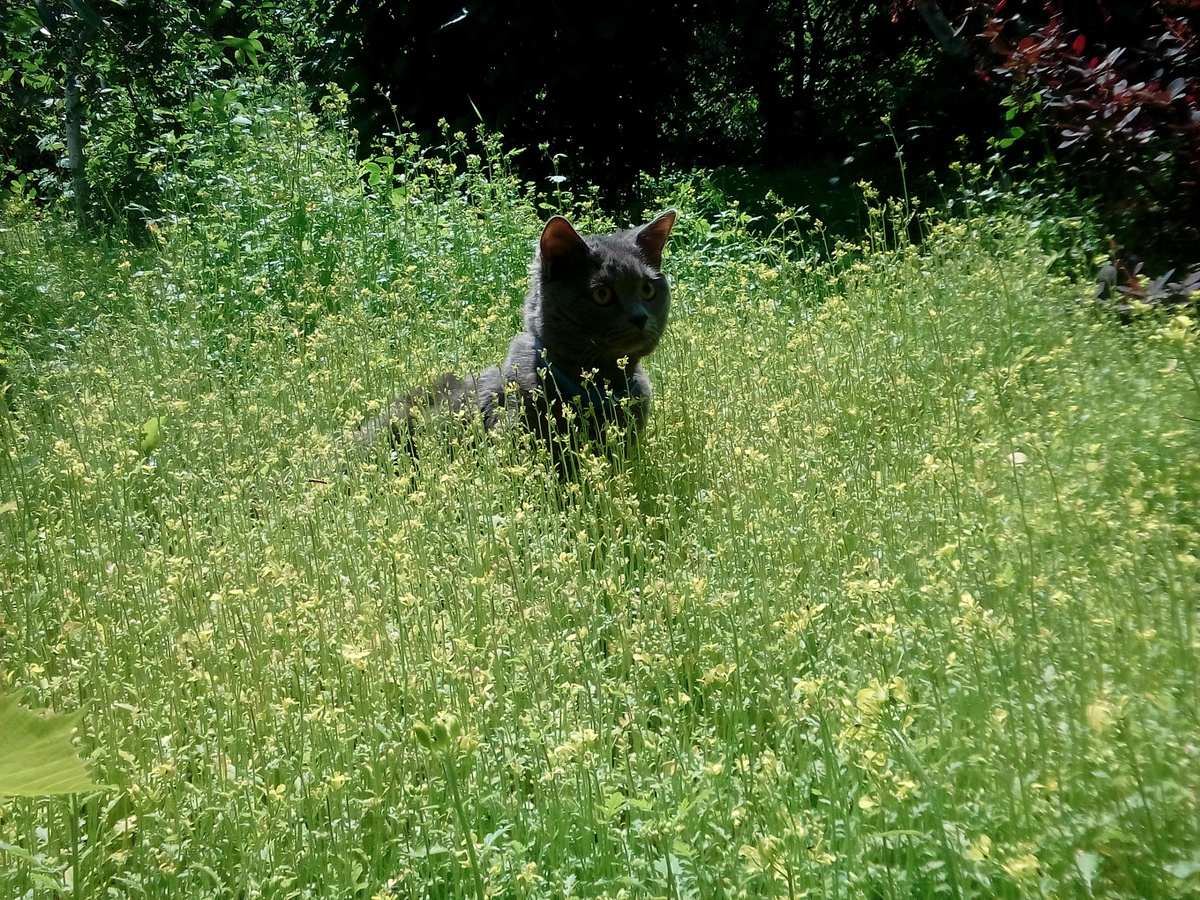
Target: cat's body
[(596, 306)]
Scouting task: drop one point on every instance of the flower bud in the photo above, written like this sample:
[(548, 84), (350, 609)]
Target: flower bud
[(446, 728)]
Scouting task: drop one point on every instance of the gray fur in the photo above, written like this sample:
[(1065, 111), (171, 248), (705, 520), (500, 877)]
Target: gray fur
[(593, 351)]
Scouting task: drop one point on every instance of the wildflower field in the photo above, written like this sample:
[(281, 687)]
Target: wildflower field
[(900, 599)]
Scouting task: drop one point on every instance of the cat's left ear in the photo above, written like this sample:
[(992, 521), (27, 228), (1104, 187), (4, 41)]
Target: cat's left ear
[(652, 238)]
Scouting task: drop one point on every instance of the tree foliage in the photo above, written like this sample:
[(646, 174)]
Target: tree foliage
[(97, 98), (625, 86), (100, 99)]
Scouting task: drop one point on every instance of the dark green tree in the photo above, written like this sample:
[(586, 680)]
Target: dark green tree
[(622, 87), (92, 91)]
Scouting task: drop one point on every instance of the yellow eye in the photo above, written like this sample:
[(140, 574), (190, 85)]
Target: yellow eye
[(603, 295), (648, 290)]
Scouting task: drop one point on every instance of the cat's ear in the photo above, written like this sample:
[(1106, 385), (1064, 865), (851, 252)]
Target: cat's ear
[(560, 246), (653, 237)]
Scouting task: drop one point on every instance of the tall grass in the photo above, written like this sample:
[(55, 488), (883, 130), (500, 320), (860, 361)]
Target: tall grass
[(900, 600)]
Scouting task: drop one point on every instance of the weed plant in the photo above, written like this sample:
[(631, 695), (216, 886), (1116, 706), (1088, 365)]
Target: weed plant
[(899, 600)]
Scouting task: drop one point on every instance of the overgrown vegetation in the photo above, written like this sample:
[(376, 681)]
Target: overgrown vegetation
[(901, 600), (1107, 94), (97, 100), (1099, 99)]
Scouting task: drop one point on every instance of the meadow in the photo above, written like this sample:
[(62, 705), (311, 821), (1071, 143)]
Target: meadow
[(900, 599)]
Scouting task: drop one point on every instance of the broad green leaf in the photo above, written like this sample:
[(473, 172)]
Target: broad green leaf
[(90, 17), (36, 756), (151, 437)]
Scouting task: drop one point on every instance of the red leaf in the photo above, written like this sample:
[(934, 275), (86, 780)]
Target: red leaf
[(1080, 43)]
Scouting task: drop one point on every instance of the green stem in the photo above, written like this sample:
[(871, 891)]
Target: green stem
[(452, 778)]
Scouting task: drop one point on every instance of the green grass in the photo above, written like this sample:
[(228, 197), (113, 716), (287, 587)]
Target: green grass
[(900, 602)]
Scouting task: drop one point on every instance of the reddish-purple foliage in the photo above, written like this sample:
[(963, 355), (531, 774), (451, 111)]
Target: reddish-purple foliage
[(1132, 107), (1116, 89)]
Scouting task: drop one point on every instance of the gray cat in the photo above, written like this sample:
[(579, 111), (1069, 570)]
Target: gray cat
[(596, 305)]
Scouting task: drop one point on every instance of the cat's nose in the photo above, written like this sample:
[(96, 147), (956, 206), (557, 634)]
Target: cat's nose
[(638, 318)]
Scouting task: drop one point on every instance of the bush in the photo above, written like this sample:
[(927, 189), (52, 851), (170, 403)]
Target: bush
[(1116, 96)]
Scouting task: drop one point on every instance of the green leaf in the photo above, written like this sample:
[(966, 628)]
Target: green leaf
[(36, 756), (476, 108), (47, 14), (90, 17), (151, 436)]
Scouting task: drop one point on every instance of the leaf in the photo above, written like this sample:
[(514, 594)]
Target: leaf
[(85, 11), (1088, 865), (47, 14), (36, 756), (1129, 117), (1079, 44), (151, 436), (1185, 869)]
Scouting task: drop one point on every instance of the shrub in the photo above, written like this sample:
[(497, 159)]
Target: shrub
[(1114, 92)]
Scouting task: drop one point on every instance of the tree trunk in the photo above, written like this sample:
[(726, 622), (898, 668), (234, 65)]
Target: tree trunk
[(763, 48), (941, 28), (73, 135), (803, 74), (817, 52)]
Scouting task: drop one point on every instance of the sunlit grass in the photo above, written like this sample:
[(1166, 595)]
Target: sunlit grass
[(899, 601)]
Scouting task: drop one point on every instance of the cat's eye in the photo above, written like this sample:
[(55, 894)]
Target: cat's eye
[(603, 295), (648, 290)]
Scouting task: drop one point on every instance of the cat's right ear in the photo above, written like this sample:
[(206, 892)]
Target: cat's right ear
[(560, 247)]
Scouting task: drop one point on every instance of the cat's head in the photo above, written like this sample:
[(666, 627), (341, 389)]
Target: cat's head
[(598, 298)]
